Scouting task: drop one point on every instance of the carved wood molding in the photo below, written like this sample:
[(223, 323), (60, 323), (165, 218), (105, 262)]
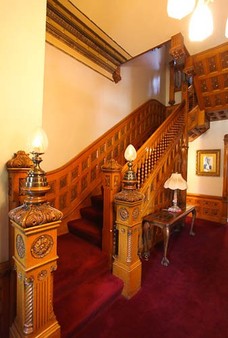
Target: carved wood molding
[(71, 31), (211, 81)]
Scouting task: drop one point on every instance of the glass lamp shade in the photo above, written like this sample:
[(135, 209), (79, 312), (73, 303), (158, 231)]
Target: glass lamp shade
[(176, 181), (130, 153), (38, 142), (226, 31), (178, 9), (201, 22)]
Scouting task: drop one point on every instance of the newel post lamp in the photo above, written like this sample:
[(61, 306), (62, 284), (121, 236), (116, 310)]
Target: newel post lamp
[(175, 182), (35, 257), (127, 265)]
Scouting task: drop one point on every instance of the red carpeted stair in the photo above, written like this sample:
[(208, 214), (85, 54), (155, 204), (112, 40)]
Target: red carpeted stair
[(83, 283), (89, 226)]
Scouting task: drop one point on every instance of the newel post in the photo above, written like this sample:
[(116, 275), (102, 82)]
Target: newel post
[(111, 185), (127, 265), (35, 226)]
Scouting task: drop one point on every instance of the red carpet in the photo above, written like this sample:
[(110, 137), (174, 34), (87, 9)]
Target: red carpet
[(188, 299), (83, 284)]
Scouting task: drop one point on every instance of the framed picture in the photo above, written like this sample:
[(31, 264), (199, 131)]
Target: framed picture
[(208, 162)]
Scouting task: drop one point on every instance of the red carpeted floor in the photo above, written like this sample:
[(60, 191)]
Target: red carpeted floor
[(188, 299), (83, 284)]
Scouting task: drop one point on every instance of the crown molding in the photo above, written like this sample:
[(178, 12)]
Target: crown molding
[(69, 30)]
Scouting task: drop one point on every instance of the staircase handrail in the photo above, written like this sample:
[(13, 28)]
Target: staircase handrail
[(163, 153), (73, 183)]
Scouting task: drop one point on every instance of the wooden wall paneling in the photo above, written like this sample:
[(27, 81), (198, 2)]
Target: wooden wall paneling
[(207, 207)]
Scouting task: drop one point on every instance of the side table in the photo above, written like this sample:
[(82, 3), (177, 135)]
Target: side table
[(165, 220)]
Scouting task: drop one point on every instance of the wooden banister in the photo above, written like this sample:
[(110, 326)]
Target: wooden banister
[(74, 183), (159, 156)]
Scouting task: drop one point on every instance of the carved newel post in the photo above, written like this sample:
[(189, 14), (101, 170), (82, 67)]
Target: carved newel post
[(111, 185), (35, 255), (127, 265)]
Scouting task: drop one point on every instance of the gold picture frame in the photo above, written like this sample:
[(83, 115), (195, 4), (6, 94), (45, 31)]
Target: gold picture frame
[(208, 162)]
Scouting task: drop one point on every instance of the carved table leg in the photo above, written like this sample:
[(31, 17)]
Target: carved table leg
[(146, 250), (192, 233), (165, 260)]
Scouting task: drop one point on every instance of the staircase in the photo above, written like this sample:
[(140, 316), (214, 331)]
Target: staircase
[(83, 284), (89, 226)]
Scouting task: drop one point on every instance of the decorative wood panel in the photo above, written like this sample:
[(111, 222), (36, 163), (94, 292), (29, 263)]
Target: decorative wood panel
[(211, 81), (207, 207), (72, 184)]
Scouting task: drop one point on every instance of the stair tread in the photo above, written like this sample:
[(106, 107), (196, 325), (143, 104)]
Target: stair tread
[(70, 269), (76, 309), (92, 213), (97, 201), (86, 229), (83, 283)]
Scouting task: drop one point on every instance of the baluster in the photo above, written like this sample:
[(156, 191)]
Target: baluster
[(149, 160), (146, 164), (138, 175), (142, 172)]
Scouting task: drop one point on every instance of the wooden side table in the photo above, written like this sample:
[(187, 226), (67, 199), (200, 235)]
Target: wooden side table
[(165, 220)]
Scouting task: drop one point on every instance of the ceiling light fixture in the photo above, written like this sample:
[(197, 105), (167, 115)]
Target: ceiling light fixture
[(178, 9), (226, 31), (201, 22)]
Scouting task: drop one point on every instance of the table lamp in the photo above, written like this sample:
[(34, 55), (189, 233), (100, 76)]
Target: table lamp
[(175, 182)]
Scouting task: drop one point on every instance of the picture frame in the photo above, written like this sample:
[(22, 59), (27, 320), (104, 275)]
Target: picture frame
[(208, 162)]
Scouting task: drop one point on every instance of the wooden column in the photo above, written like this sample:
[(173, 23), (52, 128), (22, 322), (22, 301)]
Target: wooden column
[(127, 265), (111, 185), (18, 168), (171, 84), (225, 181), (35, 226)]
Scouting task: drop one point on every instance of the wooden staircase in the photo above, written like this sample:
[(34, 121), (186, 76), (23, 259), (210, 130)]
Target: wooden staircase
[(76, 190), (89, 226)]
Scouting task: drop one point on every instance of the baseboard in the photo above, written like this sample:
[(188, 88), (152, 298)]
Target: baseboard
[(209, 208)]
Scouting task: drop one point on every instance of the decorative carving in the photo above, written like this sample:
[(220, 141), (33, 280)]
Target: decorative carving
[(211, 79), (135, 213), (28, 326), (42, 275), (178, 49), (33, 215), (20, 246), (74, 192), (212, 64), (63, 182), (215, 83), (63, 201), (93, 174), (204, 86), (84, 183), (129, 196), (116, 75), (112, 165), (20, 160), (124, 214), (74, 173), (42, 246), (69, 30), (224, 59), (129, 245)]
